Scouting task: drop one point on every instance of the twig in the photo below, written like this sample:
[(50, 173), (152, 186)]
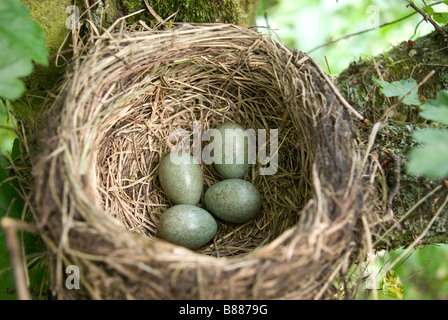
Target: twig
[(347, 36), (366, 30), (371, 141), (112, 27), (422, 235), (427, 17), (396, 188), (328, 65), (9, 225), (266, 20), (424, 267), (155, 15), (407, 213), (89, 15), (370, 251)]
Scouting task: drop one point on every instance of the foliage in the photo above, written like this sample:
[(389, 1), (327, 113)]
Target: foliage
[(7, 132), (339, 33), (21, 41), (7, 194), (304, 25), (430, 159), (12, 205), (403, 89), (392, 286), (423, 275), (436, 110), (440, 17)]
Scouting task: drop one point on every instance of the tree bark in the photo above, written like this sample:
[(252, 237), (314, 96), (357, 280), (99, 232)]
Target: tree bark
[(409, 59), (426, 223)]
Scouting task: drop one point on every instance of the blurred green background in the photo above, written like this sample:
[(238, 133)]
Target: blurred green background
[(423, 273), (304, 25)]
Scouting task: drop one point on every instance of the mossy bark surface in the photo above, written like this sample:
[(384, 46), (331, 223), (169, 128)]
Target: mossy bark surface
[(407, 60), (240, 12), (51, 16), (229, 11)]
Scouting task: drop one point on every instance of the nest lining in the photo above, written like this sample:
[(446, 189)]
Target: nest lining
[(98, 170), (128, 158)]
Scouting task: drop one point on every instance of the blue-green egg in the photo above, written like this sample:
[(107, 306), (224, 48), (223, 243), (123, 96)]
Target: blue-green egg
[(233, 200), (234, 160), (181, 178), (187, 225)]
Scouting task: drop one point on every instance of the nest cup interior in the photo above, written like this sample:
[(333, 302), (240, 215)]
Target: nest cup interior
[(178, 79)]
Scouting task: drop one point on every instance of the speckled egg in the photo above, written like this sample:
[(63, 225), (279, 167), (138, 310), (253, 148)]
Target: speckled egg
[(187, 225), (235, 151), (233, 200), (181, 178)]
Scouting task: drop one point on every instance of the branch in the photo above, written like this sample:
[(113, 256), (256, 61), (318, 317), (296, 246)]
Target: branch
[(350, 35), (427, 17), (347, 36), (20, 274)]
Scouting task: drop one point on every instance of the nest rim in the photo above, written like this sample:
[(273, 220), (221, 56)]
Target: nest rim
[(291, 243)]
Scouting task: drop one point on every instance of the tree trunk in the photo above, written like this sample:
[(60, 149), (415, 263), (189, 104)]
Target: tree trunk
[(393, 140), (409, 59)]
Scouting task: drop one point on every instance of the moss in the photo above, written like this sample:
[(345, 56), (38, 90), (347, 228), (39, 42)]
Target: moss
[(106, 13), (396, 137), (112, 13), (201, 11), (407, 60), (51, 16)]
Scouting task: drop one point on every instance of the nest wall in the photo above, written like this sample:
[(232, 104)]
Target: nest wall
[(97, 193)]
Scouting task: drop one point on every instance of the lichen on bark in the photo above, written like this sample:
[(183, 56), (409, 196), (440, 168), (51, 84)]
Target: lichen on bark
[(410, 59)]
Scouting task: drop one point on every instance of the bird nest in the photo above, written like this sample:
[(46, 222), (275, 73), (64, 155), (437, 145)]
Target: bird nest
[(99, 199)]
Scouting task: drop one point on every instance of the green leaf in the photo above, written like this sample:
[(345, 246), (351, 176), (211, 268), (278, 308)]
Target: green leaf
[(440, 17), (392, 286), (11, 68), (428, 10), (400, 89), (21, 41), (431, 159), (436, 110)]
